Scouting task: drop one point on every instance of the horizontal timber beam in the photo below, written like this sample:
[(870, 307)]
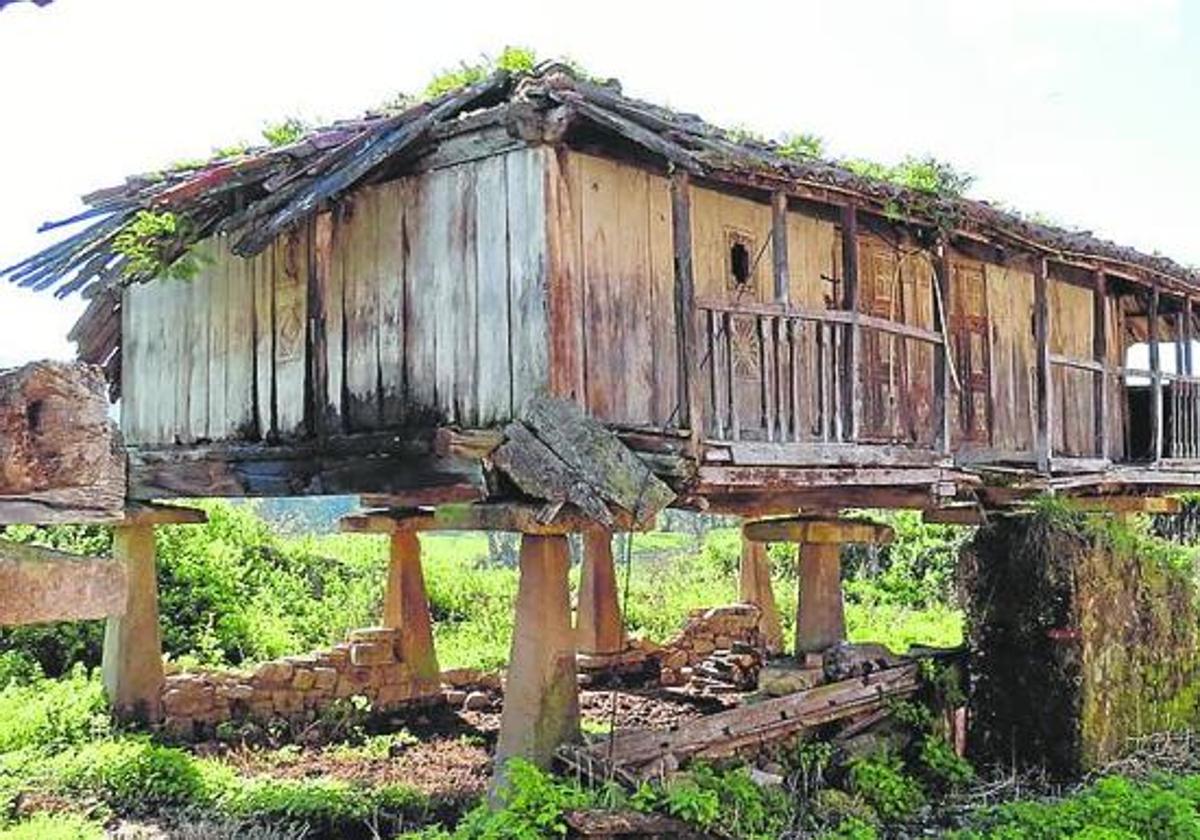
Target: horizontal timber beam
[(537, 520), (817, 531), (40, 585), (1126, 504)]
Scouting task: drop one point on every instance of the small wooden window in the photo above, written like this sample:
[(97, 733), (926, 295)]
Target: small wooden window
[(740, 259)]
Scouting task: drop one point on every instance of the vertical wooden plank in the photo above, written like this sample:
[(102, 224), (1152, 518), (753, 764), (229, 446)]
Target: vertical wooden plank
[(714, 378), (850, 395), (1156, 401), (239, 370), (685, 305), (360, 248), (465, 296), (320, 256), (1100, 354), (735, 423), (942, 397), (766, 380), (421, 226), (564, 250), (218, 344), (494, 398), (1041, 332), (779, 246), (129, 351), (200, 289), (390, 268), (446, 288), (291, 296), (263, 269), (667, 411), (1190, 390), (528, 302)]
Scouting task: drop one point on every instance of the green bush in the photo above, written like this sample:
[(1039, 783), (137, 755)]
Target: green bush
[(131, 774), (42, 826), (880, 780), (49, 713)]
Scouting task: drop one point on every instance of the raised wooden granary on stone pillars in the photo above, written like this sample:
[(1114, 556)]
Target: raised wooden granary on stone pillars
[(535, 304)]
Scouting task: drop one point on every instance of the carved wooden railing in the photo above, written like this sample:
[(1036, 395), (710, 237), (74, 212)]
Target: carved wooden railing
[(778, 373), (1181, 415)]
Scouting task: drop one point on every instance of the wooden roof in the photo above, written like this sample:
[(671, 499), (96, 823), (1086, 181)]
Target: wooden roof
[(256, 195)]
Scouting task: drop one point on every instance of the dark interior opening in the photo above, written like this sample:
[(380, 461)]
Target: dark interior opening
[(739, 263)]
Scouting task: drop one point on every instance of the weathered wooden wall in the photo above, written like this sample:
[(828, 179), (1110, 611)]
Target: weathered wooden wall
[(421, 299), (1072, 390), (1013, 361)]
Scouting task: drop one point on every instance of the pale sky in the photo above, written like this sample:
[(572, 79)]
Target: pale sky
[(1087, 111)]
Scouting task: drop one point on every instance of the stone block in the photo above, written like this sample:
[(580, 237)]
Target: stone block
[(187, 701), (274, 674), (237, 691), (303, 679), (375, 635), (324, 679), (477, 701), (287, 702), (372, 653), (183, 728), (455, 697)]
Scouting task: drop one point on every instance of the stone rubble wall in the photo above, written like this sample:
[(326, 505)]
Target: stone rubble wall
[(728, 635), (297, 688)]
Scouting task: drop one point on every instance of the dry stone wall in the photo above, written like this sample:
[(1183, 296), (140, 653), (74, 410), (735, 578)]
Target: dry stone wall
[(297, 688)]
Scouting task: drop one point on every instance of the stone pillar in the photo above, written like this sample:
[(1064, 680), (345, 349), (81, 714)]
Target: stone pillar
[(820, 614), (598, 624), (132, 665), (541, 697), (406, 607), (754, 587)]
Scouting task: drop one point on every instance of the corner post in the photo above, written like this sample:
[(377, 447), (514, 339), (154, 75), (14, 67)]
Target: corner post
[(541, 697), (1041, 333), (942, 394), (132, 664), (1100, 355), (598, 624), (1156, 401), (851, 393), (685, 308), (754, 587), (406, 607)]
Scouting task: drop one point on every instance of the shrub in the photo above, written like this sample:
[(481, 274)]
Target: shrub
[(43, 826), (131, 774), (48, 713), (882, 783), (942, 766)]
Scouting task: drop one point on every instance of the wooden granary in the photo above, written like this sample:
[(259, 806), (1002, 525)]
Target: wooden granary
[(381, 303)]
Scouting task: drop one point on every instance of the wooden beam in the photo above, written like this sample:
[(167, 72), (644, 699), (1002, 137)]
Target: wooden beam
[(502, 516), (1100, 356), (759, 454), (779, 246), (851, 393), (1156, 401), (1125, 504), (1041, 331), (817, 531), (816, 499), (689, 389), (40, 585), (158, 514), (968, 514), (354, 464), (942, 379)]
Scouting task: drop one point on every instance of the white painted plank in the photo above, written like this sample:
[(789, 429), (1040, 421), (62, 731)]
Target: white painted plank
[(494, 391), (390, 260)]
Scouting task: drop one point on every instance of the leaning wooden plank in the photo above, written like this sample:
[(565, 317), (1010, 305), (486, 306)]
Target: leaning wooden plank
[(768, 720), (41, 585), (60, 454), (598, 455), (539, 473)]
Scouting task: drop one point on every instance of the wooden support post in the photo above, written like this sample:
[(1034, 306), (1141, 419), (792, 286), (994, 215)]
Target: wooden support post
[(851, 393), (1187, 336), (406, 607), (942, 361), (754, 587), (1156, 402), (132, 662), (541, 697), (598, 625), (1100, 354), (1041, 332), (820, 613), (779, 246), (690, 391)]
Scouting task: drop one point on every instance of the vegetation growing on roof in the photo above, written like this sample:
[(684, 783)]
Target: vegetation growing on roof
[(924, 174), (286, 131), (802, 145), (511, 59), (155, 244)]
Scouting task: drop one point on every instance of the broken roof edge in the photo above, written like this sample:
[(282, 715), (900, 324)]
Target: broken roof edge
[(264, 191)]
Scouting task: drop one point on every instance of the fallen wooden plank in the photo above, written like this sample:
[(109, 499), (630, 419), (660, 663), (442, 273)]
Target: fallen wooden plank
[(60, 453), (770, 720), (40, 585)]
